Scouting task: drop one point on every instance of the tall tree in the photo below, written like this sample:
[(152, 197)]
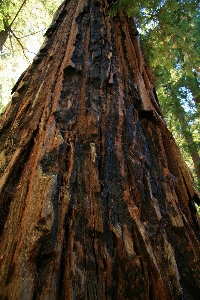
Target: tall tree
[(192, 147), (96, 201), (185, 124)]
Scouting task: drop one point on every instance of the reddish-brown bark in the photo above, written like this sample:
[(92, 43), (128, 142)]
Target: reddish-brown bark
[(96, 201)]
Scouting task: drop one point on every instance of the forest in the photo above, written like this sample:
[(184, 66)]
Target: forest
[(99, 150)]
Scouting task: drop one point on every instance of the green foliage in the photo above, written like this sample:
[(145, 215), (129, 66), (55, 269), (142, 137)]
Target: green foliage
[(169, 28)]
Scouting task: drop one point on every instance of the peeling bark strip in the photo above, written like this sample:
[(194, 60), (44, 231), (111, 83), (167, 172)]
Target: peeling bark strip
[(95, 200)]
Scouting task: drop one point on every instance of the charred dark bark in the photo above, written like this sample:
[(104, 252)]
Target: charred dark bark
[(96, 201)]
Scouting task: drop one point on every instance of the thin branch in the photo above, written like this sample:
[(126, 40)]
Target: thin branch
[(32, 33), (21, 45), (18, 13)]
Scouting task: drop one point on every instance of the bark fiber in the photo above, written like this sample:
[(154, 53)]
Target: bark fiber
[(96, 201)]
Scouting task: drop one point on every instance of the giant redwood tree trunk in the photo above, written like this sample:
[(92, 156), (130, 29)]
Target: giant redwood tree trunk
[(95, 200)]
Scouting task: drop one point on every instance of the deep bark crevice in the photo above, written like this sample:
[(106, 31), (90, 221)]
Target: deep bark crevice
[(13, 182)]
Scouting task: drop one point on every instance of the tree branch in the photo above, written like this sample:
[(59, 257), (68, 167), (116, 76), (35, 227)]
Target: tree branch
[(19, 42), (18, 12), (22, 37)]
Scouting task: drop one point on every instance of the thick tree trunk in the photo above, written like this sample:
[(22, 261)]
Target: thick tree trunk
[(96, 201)]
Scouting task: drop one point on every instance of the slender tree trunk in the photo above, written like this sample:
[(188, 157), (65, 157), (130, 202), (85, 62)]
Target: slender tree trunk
[(96, 201), (3, 38), (191, 145), (193, 85)]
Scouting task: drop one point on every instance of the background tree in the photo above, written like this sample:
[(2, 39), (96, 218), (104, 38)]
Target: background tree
[(96, 201), (26, 23)]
